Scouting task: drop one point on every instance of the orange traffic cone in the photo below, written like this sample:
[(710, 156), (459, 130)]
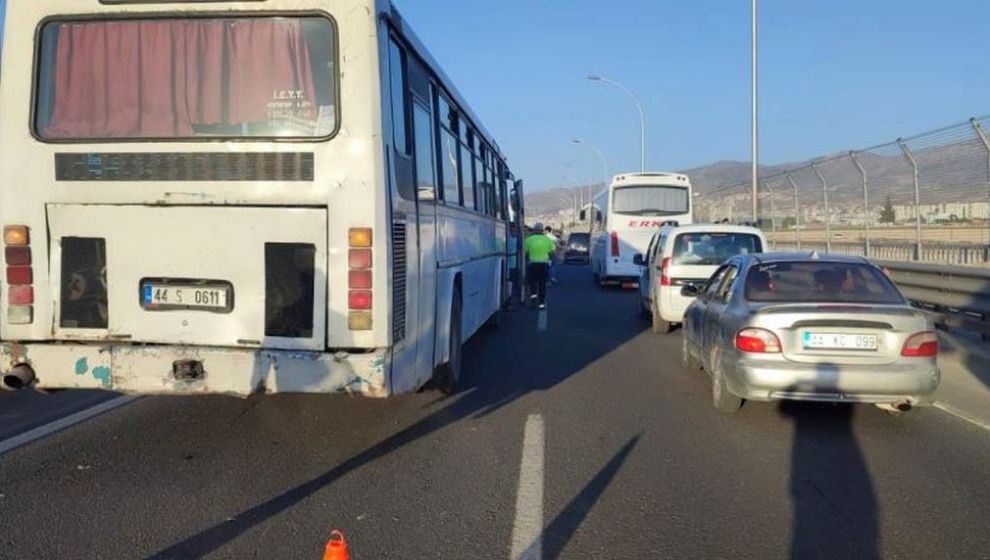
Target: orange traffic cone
[(336, 547)]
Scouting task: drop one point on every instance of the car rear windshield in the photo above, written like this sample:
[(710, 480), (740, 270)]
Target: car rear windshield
[(578, 238), (184, 78), (713, 248), (820, 282)]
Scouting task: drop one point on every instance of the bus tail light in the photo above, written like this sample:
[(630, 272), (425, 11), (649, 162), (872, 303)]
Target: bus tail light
[(665, 272), (17, 255), (16, 236), (359, 278), (359, 259), (359, 300), (19, 274), (20, 295), (757, 341), (921, 345), (615, 244)]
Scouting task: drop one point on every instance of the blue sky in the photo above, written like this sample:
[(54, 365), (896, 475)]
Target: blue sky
[(834, 75)]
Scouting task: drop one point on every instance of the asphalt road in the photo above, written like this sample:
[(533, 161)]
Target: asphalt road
[(636, 464)]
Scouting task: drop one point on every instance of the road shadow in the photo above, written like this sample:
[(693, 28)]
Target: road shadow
[(561, 529), (835, 510), (499, 368)]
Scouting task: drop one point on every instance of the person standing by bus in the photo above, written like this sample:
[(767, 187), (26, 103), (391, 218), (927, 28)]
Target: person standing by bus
[(539, 250), (553, 256)]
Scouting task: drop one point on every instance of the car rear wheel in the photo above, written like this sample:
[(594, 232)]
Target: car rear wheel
[(687, 360), (659, 325), (724, 401)]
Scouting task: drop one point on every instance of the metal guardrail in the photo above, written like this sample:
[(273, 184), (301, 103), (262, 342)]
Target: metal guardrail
[(958, 297), (942, 253)]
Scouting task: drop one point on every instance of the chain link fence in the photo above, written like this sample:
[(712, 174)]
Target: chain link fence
[(923, 198)]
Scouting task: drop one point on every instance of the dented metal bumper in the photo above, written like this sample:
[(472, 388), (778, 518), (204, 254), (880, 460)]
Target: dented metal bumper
[(160, 369)]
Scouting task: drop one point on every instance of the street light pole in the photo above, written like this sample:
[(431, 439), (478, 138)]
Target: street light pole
[(755, 140), (591, 198), (642, 115)]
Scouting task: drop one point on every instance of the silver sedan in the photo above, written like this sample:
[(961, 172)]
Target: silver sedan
[(809, 327)]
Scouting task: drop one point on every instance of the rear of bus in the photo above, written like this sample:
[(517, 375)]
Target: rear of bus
[(640, 204), (188, 205)]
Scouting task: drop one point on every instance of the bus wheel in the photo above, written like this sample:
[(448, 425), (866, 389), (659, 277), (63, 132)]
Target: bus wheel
[(449, 374)]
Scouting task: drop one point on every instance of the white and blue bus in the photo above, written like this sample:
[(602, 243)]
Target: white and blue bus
[(242, 197), (629, 212)]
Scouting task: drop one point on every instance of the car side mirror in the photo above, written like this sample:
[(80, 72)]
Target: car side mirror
[(583, 214), (598, 215), (690, 290), (638, 259)]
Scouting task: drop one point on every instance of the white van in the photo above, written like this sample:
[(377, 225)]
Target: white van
[(680, 255), (630, 211)]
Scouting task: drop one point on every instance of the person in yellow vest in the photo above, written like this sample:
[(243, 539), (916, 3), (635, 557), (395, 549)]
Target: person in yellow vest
[(539, 250)]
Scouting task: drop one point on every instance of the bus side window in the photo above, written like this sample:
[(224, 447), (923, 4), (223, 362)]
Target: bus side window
[(402, 163), (425, 152), (397, 77), (467, 177), (448, 151)]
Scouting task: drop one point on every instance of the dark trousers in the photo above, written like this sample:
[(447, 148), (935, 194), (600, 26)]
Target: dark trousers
[(539, 273)]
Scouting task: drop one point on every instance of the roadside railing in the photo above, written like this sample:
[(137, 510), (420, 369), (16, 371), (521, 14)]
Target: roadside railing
[(962, 254), (957, 297)]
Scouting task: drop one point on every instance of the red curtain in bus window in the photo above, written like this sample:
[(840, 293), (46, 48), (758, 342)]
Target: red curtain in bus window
[(161, 78)]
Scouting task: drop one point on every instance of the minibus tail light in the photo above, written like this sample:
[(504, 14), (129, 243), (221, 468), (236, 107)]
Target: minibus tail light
[(615, 244), (665, 272)]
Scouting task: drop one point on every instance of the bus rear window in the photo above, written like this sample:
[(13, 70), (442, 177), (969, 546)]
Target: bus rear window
[(650, 200), (231, 77)]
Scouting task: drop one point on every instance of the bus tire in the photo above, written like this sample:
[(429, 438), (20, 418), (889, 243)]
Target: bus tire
[(449, 373)]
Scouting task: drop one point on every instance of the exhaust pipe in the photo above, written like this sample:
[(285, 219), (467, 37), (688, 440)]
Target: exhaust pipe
[(903, 406), (18, 378)]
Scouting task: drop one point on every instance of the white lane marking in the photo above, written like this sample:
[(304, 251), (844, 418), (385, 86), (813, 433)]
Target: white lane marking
[(949, 409), (527, 530), (541, 321), (27, 437)]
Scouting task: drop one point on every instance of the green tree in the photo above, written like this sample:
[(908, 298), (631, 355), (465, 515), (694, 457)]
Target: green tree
[(887, 215)]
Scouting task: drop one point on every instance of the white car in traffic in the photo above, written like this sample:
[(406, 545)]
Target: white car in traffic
[(689, 254)]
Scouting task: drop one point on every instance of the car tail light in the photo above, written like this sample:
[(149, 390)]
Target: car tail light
[(359, 278), (665, 272), (19, 274), (921, 345), (757, 341), (359, 299), (615, 244)]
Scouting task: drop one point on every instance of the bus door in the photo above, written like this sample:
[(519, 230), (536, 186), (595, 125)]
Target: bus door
[(414, 198)]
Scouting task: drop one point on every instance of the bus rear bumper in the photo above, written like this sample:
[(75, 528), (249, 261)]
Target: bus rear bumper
[(164, 369)]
